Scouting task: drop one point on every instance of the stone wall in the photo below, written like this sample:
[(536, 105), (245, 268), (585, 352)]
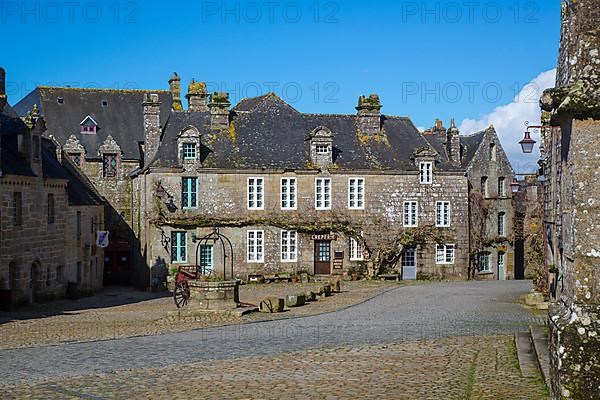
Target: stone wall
[(572, 200), (32, 255), (222, 202)]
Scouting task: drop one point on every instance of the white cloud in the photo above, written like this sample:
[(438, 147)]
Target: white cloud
[(509, 122)]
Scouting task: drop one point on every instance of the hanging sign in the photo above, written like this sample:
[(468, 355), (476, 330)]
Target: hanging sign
[(102, 240)]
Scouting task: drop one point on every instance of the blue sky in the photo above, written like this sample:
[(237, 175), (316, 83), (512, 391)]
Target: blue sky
[(425, 59)]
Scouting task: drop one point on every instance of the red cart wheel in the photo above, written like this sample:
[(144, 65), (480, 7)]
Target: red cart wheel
[(181, 294)]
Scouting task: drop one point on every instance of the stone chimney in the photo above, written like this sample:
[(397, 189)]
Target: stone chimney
[(175, 86), (197, 97), (369, 115), (2, 88), (151, 126), (219, 110), (453, 143)]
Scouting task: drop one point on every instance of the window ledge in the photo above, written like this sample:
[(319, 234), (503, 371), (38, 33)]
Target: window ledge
[(486, 273)]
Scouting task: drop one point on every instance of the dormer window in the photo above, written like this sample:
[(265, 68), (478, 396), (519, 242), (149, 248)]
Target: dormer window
[(88, 126), (189, 151), (60, 100), (188, 144), (426, 172), (321, 147)]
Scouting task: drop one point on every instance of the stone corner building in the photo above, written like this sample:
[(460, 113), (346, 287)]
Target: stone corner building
[(363, 193), (48, 211), (572, 203)]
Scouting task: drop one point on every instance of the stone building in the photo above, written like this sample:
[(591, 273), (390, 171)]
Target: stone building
[(571, 166), (172, 174), (102, 131), (325, 194), (491, 212), (47, 214)]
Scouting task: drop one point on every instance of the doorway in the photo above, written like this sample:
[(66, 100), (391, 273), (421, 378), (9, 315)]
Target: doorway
[(322, 257), (501, 266), (409, 264)]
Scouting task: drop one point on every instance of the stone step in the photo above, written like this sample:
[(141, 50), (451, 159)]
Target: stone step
[(526, 354), (541, 346)]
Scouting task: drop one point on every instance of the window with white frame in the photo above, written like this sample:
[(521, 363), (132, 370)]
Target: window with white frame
[(255, 252), (426, 172), (322, 149), (178, 247), (288, 194), (256, 194), (189, 193), (501, 187), (411, 213), (323, 194), (356, 251), (289, 246), (484, 262), (501, 224), (356, 193), (444, 254), (189, 151), (442, 214)]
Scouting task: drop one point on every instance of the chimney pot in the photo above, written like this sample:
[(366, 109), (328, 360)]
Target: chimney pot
[(2, 87)]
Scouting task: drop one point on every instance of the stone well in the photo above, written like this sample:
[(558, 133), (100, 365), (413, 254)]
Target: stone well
[(224, 295)]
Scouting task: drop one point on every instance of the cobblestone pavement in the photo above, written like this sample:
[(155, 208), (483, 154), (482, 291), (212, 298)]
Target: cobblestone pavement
[(121, 312), (447, 368), (377, 345)]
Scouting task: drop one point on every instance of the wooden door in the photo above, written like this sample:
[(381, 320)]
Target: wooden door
[(322, 257)]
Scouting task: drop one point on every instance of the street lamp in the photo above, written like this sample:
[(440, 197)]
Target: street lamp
[(514, 186), (527, 143)]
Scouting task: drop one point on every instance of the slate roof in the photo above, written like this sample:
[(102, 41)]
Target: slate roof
[(121, 116), (268, 133), (470, 145), (11, 162), (80, 190)]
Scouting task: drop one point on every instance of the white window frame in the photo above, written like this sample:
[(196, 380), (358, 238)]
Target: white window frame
[(255, 189), (502, 224), (445, 254), (442, 214), (324, 185), (426, 172), (501, 186), (322, 149), (291, 188), (356, 187), (255, 246), (356, 250), (488, 265), (289, 246), (410, 216)]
